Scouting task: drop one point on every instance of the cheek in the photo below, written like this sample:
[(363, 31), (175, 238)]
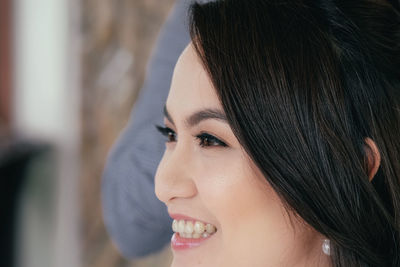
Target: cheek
[(231, 189), (235, 193), (248, 211), (220, 177)]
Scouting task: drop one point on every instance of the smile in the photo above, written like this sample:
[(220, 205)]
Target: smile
[(190, 233)]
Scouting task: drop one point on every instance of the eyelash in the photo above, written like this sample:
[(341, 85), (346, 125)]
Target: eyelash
[(166, 131)]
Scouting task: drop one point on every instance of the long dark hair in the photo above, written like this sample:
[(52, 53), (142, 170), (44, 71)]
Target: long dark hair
[(303, 83)]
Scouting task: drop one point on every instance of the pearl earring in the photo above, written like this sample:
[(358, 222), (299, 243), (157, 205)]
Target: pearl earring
[(326, 247)]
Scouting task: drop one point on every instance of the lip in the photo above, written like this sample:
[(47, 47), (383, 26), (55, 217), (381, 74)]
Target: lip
[(179, 243)]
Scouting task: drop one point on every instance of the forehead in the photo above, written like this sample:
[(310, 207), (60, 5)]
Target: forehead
[(191, 88)]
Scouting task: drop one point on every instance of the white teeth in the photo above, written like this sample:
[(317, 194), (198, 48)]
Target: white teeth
[(190, 230), (181, 226), (175, 226), (199, 227), (186, 235), (210, 228), (196, 235), (189, 227)]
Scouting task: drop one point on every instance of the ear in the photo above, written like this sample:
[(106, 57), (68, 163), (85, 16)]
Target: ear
[(373, 157)]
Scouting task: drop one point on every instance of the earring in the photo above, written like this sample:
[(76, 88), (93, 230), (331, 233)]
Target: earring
[(326, 247)]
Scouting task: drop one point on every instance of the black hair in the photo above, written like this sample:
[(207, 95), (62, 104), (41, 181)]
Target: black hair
[(303, 83)]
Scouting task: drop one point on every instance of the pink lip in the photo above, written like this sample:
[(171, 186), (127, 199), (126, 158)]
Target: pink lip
[(180, 243)]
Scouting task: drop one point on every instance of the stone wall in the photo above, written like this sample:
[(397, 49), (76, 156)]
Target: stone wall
[(117, 38)]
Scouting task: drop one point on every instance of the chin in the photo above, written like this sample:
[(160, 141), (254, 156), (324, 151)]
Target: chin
[(192, 260)]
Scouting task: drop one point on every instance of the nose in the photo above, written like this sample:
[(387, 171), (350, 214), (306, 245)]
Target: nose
[(174, 175)]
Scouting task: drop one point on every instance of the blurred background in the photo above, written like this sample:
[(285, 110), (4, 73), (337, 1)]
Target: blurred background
[(70, 72)]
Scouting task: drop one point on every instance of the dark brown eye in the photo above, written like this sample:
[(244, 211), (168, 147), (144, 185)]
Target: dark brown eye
[(167, 132), (207, 140)]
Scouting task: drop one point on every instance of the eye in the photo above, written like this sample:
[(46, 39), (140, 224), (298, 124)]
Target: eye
[(207, 140), (167, 132)]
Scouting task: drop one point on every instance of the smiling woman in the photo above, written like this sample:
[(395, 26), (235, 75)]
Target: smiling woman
[(282, 126)]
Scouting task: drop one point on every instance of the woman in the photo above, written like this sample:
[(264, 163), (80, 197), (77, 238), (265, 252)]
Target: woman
[(283, 136)]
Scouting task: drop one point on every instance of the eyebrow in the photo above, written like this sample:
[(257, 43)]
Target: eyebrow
[(199, 116)]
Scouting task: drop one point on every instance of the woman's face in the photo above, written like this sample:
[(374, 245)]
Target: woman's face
[(214, 181)]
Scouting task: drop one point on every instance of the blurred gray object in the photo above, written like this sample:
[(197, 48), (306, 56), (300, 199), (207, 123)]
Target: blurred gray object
[(136, 220)]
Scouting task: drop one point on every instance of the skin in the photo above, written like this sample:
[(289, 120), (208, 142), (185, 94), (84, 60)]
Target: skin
[(222, 186), (373, 157)]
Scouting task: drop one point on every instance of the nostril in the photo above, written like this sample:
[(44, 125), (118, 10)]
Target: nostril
[(174, 177)]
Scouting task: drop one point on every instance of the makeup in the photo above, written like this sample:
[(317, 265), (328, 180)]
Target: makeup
[(181, 243)]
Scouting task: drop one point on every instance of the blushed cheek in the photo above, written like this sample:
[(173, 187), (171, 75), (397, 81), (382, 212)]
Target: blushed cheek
[(229, 189), (218, 184), (250, 214)]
